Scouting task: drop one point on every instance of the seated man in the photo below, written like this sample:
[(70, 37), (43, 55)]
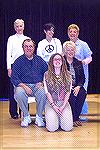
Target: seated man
[(27, 76)]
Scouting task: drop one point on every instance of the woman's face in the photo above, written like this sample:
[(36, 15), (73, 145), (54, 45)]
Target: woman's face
[(73, 34), (19, 28), (57, 61), (49, 33), (70, 51)]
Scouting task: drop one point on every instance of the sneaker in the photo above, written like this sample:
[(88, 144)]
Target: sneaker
[(24, 123), (39, 121), (26, 120), (29, 119)]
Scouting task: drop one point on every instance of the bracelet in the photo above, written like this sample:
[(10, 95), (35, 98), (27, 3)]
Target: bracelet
[(51, 103)]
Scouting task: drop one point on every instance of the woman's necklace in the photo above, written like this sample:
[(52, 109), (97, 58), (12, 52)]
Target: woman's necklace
[(58, 76)]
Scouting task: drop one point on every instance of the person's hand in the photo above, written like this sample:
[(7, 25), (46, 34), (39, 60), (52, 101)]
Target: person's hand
[(76, 90), (9, 72), (83, 62), (61, 109), (28, 90), (57, 110), (39, 85)]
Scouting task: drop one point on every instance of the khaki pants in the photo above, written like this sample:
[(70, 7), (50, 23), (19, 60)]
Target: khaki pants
[(53, 120)]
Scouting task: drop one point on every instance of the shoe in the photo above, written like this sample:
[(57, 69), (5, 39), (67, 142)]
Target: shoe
[(39, 121), (14, 116), (85, 119), (79, 123), (26, 121), (75, 124), (29, 119)]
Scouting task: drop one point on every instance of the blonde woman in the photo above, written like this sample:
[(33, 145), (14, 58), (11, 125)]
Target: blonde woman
[(78, 92), (57, 84)]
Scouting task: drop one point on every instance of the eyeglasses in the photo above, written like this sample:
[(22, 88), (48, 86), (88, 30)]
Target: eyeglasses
[(26, 46), (57, 59)]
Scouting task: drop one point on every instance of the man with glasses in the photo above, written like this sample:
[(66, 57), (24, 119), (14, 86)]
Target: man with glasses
[(27, 76)]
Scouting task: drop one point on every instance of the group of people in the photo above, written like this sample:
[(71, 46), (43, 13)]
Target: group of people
[(57, 76)]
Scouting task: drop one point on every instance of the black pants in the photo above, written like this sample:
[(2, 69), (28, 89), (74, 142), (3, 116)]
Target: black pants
[(12, 102), (76, 103)]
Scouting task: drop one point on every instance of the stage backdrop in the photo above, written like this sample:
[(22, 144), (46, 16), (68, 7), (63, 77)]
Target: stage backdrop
[(62, 13)]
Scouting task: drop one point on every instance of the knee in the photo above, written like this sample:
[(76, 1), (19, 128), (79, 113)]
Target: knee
[(51, 128), (19, 91), (52, 123), (67, 128)]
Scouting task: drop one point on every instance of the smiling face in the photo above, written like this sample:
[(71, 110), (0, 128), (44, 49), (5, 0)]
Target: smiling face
[(49, 33), (19, 27), (70, 51), (73, 34), (57, 61), (28, 48)]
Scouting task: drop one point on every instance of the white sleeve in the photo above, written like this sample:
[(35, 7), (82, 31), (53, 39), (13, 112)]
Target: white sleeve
[(58, 45), (39, 49), (45, 85), (9, 52), (88, 60)]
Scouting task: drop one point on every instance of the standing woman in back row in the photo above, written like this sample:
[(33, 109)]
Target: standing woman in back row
[(14, 50), (49, 45), (83, 53)]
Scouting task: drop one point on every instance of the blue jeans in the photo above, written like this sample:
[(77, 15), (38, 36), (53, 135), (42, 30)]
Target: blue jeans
[(22, 99)]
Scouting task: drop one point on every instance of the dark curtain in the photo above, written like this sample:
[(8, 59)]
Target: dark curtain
[(35, 13)]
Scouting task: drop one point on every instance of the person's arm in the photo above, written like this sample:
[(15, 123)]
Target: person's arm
[(16, 78), (49, 98), (65, 101), (87, 60), (66, 98), (80, 77), (58, 45), (39, 49), (26, 88), (9, 51), (87, 54)]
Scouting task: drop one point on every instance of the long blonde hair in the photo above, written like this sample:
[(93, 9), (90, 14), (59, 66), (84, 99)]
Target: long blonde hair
[(65, 76)]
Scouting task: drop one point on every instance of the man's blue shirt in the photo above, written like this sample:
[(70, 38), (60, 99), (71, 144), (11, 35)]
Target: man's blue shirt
[(28, 71)]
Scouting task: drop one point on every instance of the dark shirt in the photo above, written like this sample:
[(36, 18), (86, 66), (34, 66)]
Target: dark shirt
[(79, 71), (28, 71)]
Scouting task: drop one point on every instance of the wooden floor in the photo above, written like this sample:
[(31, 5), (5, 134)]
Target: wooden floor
[(14, 137)]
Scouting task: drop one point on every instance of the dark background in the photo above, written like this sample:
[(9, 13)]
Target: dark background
[(62, 13)]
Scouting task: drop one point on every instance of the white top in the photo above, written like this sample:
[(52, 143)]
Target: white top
[(14, 48), (45, 49)]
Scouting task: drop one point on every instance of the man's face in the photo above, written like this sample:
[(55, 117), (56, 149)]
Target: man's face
[(73, 34), (28, 49), (19, 28)]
